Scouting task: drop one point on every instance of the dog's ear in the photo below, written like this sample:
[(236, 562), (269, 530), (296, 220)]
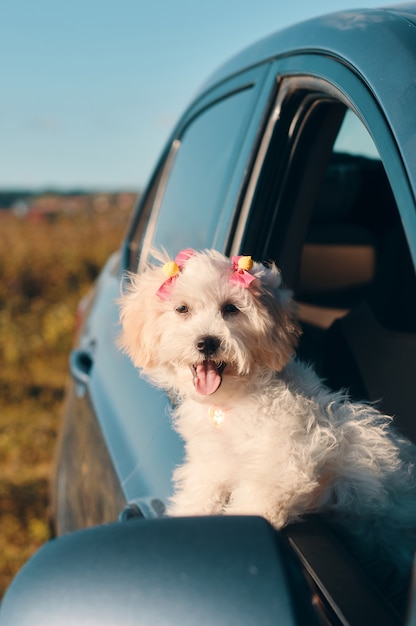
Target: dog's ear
[(140, 318), (276, 307)]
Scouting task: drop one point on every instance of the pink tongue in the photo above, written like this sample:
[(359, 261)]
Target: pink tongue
[(207, 378)]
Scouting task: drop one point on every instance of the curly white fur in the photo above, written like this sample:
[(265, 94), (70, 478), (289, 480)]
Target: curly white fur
[(287, 445)]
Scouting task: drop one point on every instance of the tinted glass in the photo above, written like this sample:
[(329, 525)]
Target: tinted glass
[(200, 175)]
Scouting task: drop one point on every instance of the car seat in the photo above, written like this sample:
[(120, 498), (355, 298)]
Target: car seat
[(372, 350)]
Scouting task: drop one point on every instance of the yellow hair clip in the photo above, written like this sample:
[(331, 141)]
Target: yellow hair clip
[(170, 269), (245, 263), (241, 267)]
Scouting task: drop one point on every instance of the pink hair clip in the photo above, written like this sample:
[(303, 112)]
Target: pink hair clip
[(241, 276), (171, 269)]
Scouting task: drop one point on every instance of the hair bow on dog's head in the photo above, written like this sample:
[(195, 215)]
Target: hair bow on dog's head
[(171, 269), (241, 275)]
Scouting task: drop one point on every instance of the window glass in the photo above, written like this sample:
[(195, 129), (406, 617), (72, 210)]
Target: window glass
[(197, 184)]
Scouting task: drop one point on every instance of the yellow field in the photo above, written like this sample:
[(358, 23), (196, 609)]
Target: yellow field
[(45, 267)]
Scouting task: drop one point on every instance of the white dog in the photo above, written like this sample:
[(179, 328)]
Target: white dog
[(263, 435)]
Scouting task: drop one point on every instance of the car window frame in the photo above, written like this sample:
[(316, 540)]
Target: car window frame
[(135, 248), (326, 79)]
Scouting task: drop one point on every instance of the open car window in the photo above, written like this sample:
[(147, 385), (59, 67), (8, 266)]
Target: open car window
[(323, 208), (351, 219), (356, 284)]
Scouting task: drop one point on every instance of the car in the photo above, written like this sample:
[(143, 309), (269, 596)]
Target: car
[(302, 150)]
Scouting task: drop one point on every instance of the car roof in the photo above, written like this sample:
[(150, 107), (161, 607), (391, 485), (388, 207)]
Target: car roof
[(364, 38), (378, 45)]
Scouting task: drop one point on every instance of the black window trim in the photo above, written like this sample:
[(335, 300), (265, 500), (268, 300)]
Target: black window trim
[(298, 98), (326, 79)]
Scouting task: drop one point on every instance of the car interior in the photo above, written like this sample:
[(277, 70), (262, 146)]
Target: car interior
[(334, 229), (357, 290), (356, 293)]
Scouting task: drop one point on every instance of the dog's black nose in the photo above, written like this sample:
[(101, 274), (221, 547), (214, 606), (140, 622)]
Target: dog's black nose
[(208, 345)]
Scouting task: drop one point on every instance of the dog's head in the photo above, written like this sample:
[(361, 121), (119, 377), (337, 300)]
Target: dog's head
[(206, 319)]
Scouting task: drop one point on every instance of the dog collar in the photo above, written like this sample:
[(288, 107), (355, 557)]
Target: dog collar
[(217, 416)]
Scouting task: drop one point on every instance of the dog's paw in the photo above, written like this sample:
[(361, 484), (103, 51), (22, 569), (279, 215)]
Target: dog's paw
[(251, 499)]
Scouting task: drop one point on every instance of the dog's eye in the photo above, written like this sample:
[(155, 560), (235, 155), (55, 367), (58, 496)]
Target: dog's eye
[(229, 309), (182, 309)]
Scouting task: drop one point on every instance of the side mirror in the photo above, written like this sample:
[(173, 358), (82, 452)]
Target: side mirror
[(176, 571)]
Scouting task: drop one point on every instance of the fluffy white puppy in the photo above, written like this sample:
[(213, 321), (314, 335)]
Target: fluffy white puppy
[(263, 434)]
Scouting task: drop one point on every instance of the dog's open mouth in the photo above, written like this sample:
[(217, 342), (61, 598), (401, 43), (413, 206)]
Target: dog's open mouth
[(207, 376)]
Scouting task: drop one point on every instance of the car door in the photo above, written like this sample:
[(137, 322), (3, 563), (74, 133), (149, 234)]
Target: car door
[(117, 444)]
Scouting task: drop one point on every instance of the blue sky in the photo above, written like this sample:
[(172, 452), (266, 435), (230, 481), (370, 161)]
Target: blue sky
[(90, 89)]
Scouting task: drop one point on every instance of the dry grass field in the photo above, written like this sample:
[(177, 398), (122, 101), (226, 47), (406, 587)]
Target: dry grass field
[(46, 265)]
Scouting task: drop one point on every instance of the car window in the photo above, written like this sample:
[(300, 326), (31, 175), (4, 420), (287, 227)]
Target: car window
[(356, 284), (323, 208), (192, 199), (351, 220)]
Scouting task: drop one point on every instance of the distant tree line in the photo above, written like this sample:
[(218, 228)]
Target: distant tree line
[(9, 197)]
